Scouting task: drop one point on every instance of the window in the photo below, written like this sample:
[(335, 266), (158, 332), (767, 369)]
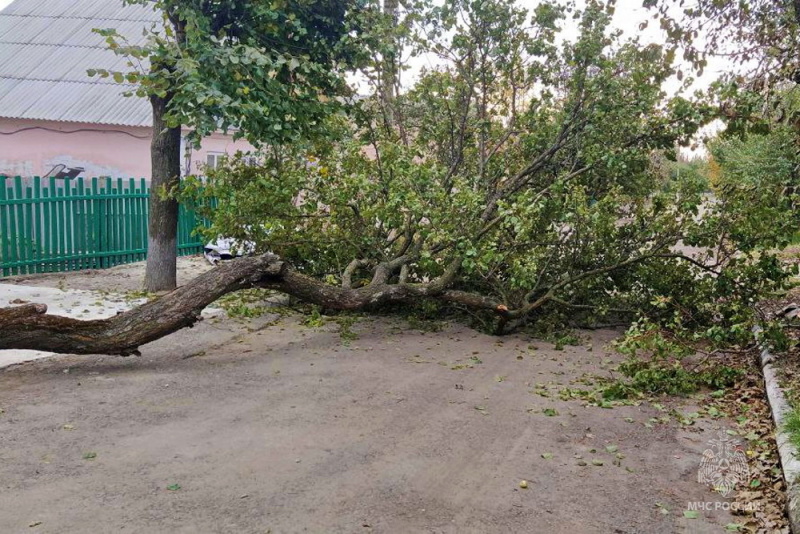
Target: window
[(214, 159)]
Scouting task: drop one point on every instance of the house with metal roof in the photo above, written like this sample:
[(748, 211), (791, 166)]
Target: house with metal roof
[(55, 120)]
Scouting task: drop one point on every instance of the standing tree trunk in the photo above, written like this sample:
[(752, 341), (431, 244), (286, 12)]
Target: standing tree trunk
[(162, 235), (389, 67)]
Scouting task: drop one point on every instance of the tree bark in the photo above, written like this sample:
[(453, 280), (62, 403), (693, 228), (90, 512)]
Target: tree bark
[(162, 236), (28, 327), (389, 67)]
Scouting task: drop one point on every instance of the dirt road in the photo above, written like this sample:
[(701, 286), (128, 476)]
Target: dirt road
[(285, 429)]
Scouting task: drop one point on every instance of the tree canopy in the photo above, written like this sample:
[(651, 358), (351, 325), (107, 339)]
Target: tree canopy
[(518, 179), (759, 35), (267, 71)]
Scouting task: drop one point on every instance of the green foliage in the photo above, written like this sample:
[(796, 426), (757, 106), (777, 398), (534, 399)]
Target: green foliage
[(649, 377), (792, 426), (671, 169), (245, 304), (314, 319), (522, 169), (566, 339), (435, 186), (424, 324), (346, 332), (268, 70), (647, 337), (761, 35), (759, 181), (658, 364)]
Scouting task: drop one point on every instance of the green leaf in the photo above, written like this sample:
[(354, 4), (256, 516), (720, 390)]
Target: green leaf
[(174, 487), (691, 514)]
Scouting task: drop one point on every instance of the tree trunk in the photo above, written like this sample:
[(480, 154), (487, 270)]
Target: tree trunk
[(29, 327), (389, 67), (162, 236)]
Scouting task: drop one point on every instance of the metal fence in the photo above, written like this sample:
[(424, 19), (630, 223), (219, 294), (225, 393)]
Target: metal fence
[(49, 225)]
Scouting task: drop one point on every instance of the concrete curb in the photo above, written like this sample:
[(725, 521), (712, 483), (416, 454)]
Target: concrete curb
[(786, 450)]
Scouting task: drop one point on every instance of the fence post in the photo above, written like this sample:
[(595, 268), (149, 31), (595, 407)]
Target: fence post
[(36, 224), (5, 235), (21, 231)]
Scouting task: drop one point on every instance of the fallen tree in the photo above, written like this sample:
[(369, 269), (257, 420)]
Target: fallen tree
[(29, 326), (517, 181)]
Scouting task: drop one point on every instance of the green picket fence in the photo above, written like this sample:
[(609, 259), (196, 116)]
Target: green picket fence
[(55, 225)]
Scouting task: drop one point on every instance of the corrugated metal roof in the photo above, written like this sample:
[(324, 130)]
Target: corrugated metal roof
[(46, 47), (81, 9)]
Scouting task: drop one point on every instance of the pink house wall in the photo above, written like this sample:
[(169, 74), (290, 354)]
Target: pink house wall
[(32, 148), (217, 144)]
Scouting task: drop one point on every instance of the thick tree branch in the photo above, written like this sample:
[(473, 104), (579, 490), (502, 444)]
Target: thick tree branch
[(28, 327), (9, 316), (349, 271)]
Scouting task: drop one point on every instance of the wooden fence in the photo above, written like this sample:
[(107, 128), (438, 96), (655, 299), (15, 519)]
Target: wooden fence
[(49, 225)]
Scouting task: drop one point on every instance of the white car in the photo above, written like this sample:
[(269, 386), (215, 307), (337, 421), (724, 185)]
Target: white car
[(226, 248)]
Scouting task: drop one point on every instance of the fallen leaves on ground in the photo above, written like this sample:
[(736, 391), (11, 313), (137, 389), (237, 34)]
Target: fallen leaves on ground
[(761, 502)]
